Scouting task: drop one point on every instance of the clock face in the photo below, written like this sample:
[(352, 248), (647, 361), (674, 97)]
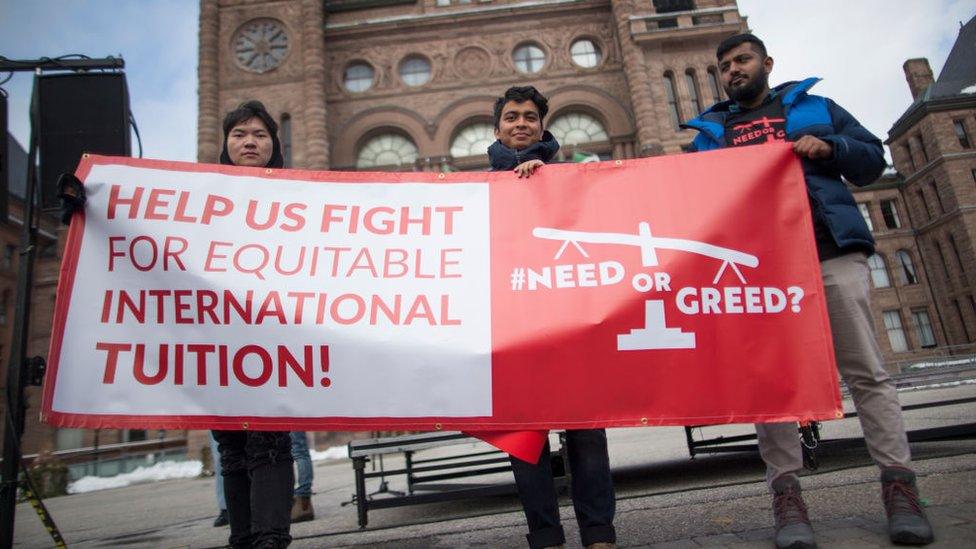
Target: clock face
[(260, 45)]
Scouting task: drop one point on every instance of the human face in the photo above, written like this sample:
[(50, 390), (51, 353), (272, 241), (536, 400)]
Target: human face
[(520, 125), (745, 75), (249, 143)]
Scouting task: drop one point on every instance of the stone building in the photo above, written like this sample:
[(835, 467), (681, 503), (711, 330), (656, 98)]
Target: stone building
[(924, 217), (409, 84)]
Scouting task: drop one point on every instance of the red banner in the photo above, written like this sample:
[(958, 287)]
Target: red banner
[(665, 291)]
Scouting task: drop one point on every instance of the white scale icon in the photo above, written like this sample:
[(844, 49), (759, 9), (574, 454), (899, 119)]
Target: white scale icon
[(655, 334)]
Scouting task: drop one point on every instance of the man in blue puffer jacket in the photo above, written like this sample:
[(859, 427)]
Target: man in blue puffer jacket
[(831, 144)]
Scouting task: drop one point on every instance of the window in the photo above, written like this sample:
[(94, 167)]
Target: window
[(945, 264), (69, 439), (925, 203), (923, 328), (473, 140), (133, 435), (577, 128), (713, 83), (585, 53), (4, 305), (866, 214), (667, 6), (896, 335), (890, 213), (387, 150), (961, 134), (286, 139), (8, 256), (962, 321), (921, 147), (693, 92), (908, 155), (906, 272), (358, 77), (529, 58), (955, 250), (415, 71), (938, 197), (879, 272), (673, 106)]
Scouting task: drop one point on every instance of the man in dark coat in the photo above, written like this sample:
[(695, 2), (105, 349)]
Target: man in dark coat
[(523, 146), (832, 146)]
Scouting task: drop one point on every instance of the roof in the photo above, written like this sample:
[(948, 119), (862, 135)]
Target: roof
[(959, 72), (956, 83)]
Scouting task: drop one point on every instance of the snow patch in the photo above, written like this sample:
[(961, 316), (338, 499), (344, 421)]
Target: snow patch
[(335, 452), (164, 470), (968, 89)]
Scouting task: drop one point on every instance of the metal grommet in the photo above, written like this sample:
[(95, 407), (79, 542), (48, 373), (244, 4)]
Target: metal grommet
[(269, 171), (619, 162), (840, 414), (440, 176), (437, 426), (245, 425), (85, 155), (643, 421)]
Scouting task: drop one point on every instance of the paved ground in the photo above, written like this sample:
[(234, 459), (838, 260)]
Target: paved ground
[(665, 499)]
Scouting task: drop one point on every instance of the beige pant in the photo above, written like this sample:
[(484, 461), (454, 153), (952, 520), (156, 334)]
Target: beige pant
[(847, 291)]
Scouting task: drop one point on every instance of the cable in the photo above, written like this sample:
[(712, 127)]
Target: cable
[(7, 79), (135, 128)]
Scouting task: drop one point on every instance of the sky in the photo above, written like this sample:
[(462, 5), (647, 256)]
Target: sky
[(857, 47)]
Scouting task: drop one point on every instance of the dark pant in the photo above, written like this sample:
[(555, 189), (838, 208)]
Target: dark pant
[(593, 497), (258, 483)]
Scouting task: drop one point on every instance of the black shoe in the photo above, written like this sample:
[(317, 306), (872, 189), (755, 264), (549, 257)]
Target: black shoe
[(221, 519), (793, 530), (907, 524)]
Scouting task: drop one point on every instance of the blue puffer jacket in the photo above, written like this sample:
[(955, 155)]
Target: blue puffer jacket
[(858, 156)]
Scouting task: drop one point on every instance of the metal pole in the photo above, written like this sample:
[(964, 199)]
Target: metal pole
[(14, 426)]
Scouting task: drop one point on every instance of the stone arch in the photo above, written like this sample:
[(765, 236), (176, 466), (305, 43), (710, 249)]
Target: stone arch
[(457, 115), (615, 117), (373, 121)]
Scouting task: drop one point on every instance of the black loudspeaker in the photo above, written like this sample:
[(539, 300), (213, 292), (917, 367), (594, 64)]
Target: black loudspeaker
[(78, 113)]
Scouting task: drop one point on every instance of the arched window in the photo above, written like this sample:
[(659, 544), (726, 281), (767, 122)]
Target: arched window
[(906, 271), (388, 149), (358, 77), (879, 271), (472, 140), (576, 128), (529, 58), (692, 85), (673, 107), (286, 138), (714, 85)]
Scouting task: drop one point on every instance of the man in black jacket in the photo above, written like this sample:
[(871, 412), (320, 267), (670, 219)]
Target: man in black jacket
[(832, 147), (523, 146)]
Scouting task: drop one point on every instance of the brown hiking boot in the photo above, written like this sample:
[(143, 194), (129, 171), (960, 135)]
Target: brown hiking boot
[(301, 509), (793, 530), (907, 524)]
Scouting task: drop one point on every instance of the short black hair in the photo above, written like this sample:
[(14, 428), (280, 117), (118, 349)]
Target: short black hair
[(734, 41), (521, 94), (246, 111)]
